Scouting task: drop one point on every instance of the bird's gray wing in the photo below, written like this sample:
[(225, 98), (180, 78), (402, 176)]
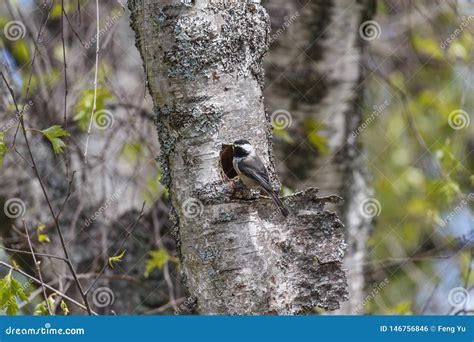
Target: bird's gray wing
[(254, 169)]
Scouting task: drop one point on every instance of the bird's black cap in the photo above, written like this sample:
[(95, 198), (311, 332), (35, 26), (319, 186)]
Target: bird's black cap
[(241, 142)]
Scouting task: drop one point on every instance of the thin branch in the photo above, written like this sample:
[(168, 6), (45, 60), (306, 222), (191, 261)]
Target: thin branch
[(35, 52), (79, 11), (129, 231), (67, 196), (47, 286), (38, 269), (46, 196), (31, 296), (66, 156), (95, 81), (430, 298), (165, 307), (73, 29), (93, 275), (37, 253)]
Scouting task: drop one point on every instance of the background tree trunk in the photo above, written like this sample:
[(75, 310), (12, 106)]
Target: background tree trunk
[(313, 72), (203, 62)]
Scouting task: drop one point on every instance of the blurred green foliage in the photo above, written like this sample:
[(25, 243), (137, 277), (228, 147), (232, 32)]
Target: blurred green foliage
[(421, 166), (10, 291), (85, 104)]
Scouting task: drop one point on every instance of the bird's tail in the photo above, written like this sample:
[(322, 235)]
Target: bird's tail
[(278, 202)]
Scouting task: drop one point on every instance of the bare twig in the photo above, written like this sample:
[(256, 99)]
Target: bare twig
[(165, 307), (72, 29), (37, 253), (28, 85), (94, 105), (129, 231), (38, 269), (67, 196), (66, 157)]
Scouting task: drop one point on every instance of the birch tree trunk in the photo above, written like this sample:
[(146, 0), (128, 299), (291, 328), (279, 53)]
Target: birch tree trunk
[(203, 62), (314, 72)]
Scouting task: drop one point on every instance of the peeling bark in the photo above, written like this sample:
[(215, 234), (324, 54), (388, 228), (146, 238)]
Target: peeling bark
[(203, 62)]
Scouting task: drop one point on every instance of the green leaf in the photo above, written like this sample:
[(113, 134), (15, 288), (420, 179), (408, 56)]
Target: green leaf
[(457, 50), (153, 188), (42, 309), (86, 102), (132, 152), (313, 127), (20, 51), (18, 290), (54, 135), (41, 236), (157, 260), (55, 11), (319, 142), (10, 290), (450, 189), (427, 46), (64, 307), (402, 308), (3, 147), (284, 135), (117, 258)]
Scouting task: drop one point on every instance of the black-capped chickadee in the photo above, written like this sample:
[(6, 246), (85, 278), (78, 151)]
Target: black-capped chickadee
[(252, 172)]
